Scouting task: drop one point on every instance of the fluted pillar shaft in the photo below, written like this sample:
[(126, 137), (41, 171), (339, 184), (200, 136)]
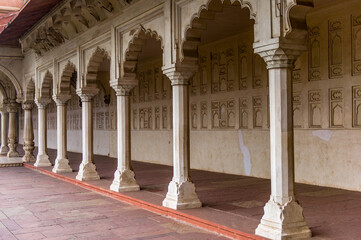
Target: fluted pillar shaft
[(4, 130), (12, 135), (181, 190), (283, 216), (87, 168), (42, 160), (124, 177), (28, 133), (62, 162)]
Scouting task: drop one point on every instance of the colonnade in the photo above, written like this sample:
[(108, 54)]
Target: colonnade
[(8, 129), (283, 215)]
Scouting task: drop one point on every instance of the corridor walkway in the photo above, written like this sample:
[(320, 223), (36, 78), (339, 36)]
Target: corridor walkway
[(237, 201), (34, 206)]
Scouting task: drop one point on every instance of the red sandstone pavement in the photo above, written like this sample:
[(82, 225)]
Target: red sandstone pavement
[(36, 206), (237, 201)]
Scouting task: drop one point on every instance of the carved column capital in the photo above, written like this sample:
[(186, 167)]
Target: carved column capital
[(12, 107), (28, 105), (42, 103), (180, 75), (123, 90), (61, 99), (280, 53), (87, 94)]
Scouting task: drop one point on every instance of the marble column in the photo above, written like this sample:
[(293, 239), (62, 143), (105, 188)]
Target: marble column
[(87, 168), (62, 162), (181, 190), (124, 177), (12, 135), (42, 160), (28, 132), (4, 130), (283, 217)]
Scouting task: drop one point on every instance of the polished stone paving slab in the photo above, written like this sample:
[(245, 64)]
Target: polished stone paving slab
[(237, 201), (35, 206)]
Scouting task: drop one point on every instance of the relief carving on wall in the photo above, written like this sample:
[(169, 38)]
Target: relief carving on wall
[(335, 48), (194, 118), (223, 71), (257, 112), (223, 114), (204, 115), (356, 45), (157, 118), (243, 67), (145, 118), (164, 117), (314, 54), (203, 75), (315, 115), (356, 106), (336, 107), (243, 113), (297, 110)]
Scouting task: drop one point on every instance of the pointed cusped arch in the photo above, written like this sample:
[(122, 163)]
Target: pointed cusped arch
[(30, 91), (134, 49), (93, 66), (198, 24), (66, 78), (14, 81), (45, 89), (295, 12)]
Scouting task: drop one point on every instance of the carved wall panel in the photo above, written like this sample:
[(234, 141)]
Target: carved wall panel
[(314, 62), (296, 75), (203, 75), (194, 84), (259, 71), (157, 83), (356, 106), (297, 110), (257, 112), (145, 118), (164, 117), (194, 116), (243, 113), (335, 68), (204, 115), (242, 66), (356, 45), (315, 114), (223, 114), (223, 71), (157, 118), (336, 107), (135, 119)]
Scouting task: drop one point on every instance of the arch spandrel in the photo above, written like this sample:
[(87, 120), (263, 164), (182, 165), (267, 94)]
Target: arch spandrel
[(195, 22), (136, 40), (29, 91), (66, 73), (14, 81), (90, 76)]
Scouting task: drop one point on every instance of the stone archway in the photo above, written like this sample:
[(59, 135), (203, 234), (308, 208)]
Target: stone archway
[(14, 81)]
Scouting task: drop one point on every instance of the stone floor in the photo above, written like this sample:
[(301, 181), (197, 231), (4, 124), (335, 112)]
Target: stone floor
[(237, 201), (36, 206)]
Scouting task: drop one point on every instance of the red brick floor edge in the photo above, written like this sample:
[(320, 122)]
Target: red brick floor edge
[(194, 221)]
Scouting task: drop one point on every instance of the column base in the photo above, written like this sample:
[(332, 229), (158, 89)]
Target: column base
[(42, 161), (181, 196), (4, 150), (283, 221), (28, 158), (62, 166), (124, 181), (12, 153), (87, 172)]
